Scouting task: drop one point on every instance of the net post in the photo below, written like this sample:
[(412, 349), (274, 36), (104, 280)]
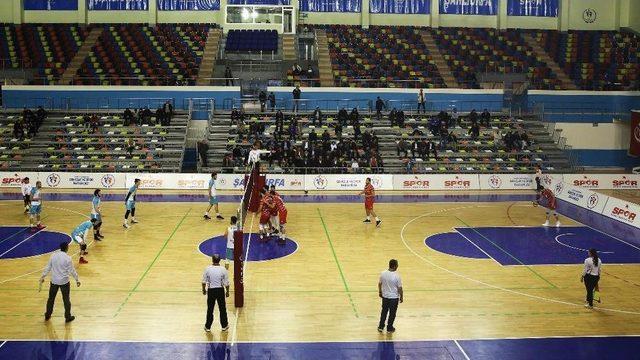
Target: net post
[(238, 266)]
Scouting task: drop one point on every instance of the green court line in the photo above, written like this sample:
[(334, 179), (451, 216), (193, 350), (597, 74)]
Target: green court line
[(135, 288), (335, 257), (508, 253)]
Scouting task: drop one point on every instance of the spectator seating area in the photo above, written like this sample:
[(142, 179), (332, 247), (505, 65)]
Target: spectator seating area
[(48, 48), (475, 51), (252, 40), (596, 60), (384, 56), (134, 54), (66, 142), (492, 151)]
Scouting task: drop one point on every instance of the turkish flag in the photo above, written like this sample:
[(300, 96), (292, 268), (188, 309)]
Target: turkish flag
[(634, 145)]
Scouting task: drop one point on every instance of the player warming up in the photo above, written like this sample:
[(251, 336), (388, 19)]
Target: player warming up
[(79, 235), (539, 187), (213, 199), (96, 213), (282, 212), (228, 234), (35, 208), (130, 204), (369, 198), (25, 187), (550, 200)]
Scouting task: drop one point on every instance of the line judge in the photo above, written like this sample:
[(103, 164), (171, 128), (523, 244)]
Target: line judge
[(215, 281)]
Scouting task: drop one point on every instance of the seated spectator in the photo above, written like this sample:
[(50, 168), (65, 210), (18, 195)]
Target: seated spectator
[(296, 70), (128, 117), (95, 123), (474, 130), (485, 118), (343, 117), (316, 116), (473, 116), (392, 116), (18, 130), (310, 72), (167, 111)]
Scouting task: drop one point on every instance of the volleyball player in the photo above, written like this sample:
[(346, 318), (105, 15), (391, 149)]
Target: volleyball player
[(79, 235), (25, 187), (96, 213), (130, 204), (213, 199), (550, 200), (538, 179), (282, 212), (35, 207), (265, 210), (229, 235), (369, 198)]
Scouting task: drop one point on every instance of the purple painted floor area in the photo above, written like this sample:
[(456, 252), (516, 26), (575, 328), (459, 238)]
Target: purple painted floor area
[(587, 348), (454, 243), (259, 250), (142, 197), (19, 242)]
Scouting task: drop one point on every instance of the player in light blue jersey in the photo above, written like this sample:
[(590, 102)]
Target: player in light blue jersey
[(79, 235), (36, 208), (96, 213), (130, 204), (213, 198)]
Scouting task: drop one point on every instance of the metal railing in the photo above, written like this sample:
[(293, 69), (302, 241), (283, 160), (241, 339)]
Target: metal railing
[(461, 106)]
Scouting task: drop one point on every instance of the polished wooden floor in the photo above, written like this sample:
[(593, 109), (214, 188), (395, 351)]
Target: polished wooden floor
[(144, 283)]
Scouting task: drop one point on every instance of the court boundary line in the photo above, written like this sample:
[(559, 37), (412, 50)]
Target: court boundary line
[(479, 248), (576, 248), (335, 257), (38, 255), (257, 261), (485, 283), (144, 274), (461, 349), (440, 252)]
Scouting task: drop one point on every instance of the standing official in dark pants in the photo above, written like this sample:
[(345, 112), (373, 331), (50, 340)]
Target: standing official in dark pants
[(60, 266), (591, 275), (390, 290), (215, 281)]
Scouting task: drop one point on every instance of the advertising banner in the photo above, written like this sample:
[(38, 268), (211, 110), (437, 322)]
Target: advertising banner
[(507, 182), (346, 182), (118, 4), (14, 179), (584, 198), (604, 181), (400, 6), (340, 6), (623, 211), (50, 4), (188, 5), (468, 7), (543, 8), (170, 181)]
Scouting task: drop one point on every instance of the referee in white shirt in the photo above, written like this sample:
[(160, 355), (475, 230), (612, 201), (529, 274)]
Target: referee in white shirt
[(216, 280), (390, 290), (60, 266), (591, 275)]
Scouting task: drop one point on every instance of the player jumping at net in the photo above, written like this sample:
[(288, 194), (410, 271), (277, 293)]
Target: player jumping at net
[(282, 212), (35, 207), (229, 235), (213, 199), (550, 200), (130, 204), (79, 235), (25, 187), (96, 213), (369, 198)]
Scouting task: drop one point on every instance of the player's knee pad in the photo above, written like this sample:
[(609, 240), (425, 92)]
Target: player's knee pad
[(83, 247)]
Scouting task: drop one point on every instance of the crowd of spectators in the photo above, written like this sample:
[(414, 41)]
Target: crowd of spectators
[(143, 116), (30, 123)]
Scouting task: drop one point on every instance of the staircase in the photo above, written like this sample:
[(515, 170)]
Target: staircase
[(541, 53), (209, 57), (289, 47), (438, 59), (78, 59), (325, 72)]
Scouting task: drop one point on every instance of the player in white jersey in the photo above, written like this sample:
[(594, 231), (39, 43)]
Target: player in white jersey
[(25, 187), (228, 234), (96, 213), (255, 152), (213, 199), (35, 208)]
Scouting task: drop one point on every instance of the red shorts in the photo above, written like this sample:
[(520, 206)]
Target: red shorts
[(283, 217), (264, 218), (368, 203)]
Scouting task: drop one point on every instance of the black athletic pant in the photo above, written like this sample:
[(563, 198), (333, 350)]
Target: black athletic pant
[(388, 306), (590, 282), (216, 295), (53, 291), (26, 199)]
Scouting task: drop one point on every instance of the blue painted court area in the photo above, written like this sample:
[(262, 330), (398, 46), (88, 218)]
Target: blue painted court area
[(596, 348), (19, 242), (534, 245), (259, 250)]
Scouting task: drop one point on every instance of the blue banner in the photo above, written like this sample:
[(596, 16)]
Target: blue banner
[(118, 4), (330, 5), (50, 4), (259, 2), (189, 5), (469, 7), (400, 6), (546, 8)]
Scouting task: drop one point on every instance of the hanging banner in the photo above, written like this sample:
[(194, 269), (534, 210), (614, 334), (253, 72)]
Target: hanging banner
[(118, 4), (188, 5), (634, 145), (543, 8), (330, 5), (399, 6), (51, 5), (259, 2), (469, 7)]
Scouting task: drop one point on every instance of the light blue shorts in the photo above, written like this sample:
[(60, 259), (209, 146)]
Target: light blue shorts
[(130, 205), (98, 217), (35, 209), (213, 200)]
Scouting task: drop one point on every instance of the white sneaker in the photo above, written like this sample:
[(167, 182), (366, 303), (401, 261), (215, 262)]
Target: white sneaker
[(557, 223), (546, 223), (134, 221), (125, 225), (225, 328)]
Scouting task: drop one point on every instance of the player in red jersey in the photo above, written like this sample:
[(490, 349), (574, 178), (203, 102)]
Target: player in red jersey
[(267, 207), (282, 212), (550, 200), (369, 198)]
